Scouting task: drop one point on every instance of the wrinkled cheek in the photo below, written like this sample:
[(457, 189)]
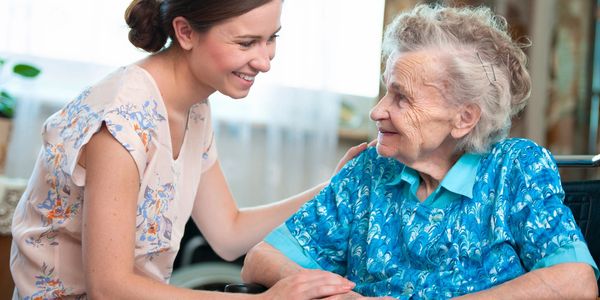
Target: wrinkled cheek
[(413, 137)]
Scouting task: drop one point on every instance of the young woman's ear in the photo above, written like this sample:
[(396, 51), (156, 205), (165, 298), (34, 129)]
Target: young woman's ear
[(465, 120), (183, 32)]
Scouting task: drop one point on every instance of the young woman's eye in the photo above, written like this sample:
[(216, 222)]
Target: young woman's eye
[(247, 44), (273, 37)]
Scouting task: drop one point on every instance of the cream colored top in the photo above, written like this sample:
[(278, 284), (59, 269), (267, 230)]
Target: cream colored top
[(46, 259)]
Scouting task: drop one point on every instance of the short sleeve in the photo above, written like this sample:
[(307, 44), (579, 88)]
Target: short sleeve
[(539, 221), (68, 131), (322, 225), (282, 240), (574, 252)]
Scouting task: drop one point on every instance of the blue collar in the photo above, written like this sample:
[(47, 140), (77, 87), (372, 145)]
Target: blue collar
[(459, 179)]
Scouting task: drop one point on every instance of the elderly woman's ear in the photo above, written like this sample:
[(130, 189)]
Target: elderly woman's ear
[(465, 120)]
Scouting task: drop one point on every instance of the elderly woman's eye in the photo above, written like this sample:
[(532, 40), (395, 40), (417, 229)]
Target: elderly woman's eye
[(400, 97)]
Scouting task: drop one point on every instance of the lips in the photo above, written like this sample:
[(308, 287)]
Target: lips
[(245, 76), (385, 131)]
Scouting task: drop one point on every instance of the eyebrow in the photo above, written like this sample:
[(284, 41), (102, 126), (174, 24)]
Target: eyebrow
[(257, 36), (398, 88)]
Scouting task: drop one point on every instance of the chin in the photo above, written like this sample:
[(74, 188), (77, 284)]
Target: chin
[(383, 150), (236, 95)]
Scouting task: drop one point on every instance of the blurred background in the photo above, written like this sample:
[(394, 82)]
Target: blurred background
[(299, 118)]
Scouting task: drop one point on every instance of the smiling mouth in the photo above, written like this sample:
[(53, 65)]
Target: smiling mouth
[(244, 76), (386, 132)]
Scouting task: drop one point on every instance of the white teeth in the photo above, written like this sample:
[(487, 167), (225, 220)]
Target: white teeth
[(245, 77)]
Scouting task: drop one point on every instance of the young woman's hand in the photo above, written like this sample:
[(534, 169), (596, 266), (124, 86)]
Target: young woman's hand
[(351, 153), (309, 284)]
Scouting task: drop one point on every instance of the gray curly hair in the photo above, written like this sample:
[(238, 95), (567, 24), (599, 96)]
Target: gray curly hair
[(483, 65)]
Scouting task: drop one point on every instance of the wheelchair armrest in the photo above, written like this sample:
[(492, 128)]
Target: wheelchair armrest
[(245, 288)]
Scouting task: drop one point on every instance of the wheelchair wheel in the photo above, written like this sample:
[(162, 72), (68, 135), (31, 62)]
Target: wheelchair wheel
[(211, 276)]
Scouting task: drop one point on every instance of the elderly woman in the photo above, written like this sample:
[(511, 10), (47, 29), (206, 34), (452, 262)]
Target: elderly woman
[(446, 205)]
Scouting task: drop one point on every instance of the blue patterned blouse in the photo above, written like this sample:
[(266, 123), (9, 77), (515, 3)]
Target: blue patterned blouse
[(494, 217)]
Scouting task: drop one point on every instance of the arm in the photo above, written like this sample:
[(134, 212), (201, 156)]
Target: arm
[(562, 281), (231, 231), (266, 265), (109, 213)]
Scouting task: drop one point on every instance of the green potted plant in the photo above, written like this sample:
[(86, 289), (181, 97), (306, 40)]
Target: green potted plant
[(8, 103)]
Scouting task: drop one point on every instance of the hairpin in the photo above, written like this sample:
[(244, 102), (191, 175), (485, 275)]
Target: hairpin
[(485, 70)]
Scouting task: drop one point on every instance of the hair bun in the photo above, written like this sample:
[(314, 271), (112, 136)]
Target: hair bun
[(143, 19)]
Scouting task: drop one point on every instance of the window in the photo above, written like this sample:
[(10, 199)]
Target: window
[(324, 44)]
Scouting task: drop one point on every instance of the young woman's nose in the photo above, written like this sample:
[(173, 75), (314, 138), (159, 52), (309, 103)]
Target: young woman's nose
[(262, 61)]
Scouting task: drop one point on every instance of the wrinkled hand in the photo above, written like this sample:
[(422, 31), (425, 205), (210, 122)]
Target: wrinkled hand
[(351, 153), (309, 284), (354, 296)]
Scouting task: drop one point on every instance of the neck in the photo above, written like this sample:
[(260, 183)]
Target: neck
[(433, 169), (177, 84)]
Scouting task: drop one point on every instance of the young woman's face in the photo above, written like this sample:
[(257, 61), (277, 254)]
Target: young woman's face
[(231, 54), (413, 118)]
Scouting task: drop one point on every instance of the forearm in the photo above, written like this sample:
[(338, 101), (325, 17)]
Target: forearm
[(562, 281), (251, 225), (266, 265), (272, 215)]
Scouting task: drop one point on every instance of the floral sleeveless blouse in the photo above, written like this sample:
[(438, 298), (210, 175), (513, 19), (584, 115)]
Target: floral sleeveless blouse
[(46, 256)]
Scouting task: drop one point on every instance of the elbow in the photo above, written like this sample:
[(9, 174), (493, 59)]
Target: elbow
[(586, 286), (229, 256), (104, 287), (94, 293), (227, 246), (227, 252), (250, 263), (590, 291), (98, 289), (590, 288), (246, 273)]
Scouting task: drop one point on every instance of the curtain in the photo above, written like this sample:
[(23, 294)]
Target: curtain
[(278, 141)]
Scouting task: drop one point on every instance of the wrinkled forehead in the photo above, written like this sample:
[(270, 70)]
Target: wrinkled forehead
[(418, 66)]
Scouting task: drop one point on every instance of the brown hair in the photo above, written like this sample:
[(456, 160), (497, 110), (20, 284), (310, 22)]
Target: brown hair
[(150, 20)]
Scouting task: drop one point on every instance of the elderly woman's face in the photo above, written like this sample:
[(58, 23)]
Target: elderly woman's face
[(413, 118)]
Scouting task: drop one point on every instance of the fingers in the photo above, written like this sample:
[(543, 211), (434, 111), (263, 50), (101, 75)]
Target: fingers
[(310, 284), (346, 296), (328, 290), (353, 151), (350, 154), (372, 143)]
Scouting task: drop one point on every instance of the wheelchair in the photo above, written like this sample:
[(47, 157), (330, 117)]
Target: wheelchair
[(583, 198), (198, 267)]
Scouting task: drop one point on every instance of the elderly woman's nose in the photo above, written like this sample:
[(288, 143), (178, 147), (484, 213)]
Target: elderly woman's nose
[(379, 111)]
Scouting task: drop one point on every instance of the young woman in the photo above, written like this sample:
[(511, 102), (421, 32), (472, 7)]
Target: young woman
[(125, 164)]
